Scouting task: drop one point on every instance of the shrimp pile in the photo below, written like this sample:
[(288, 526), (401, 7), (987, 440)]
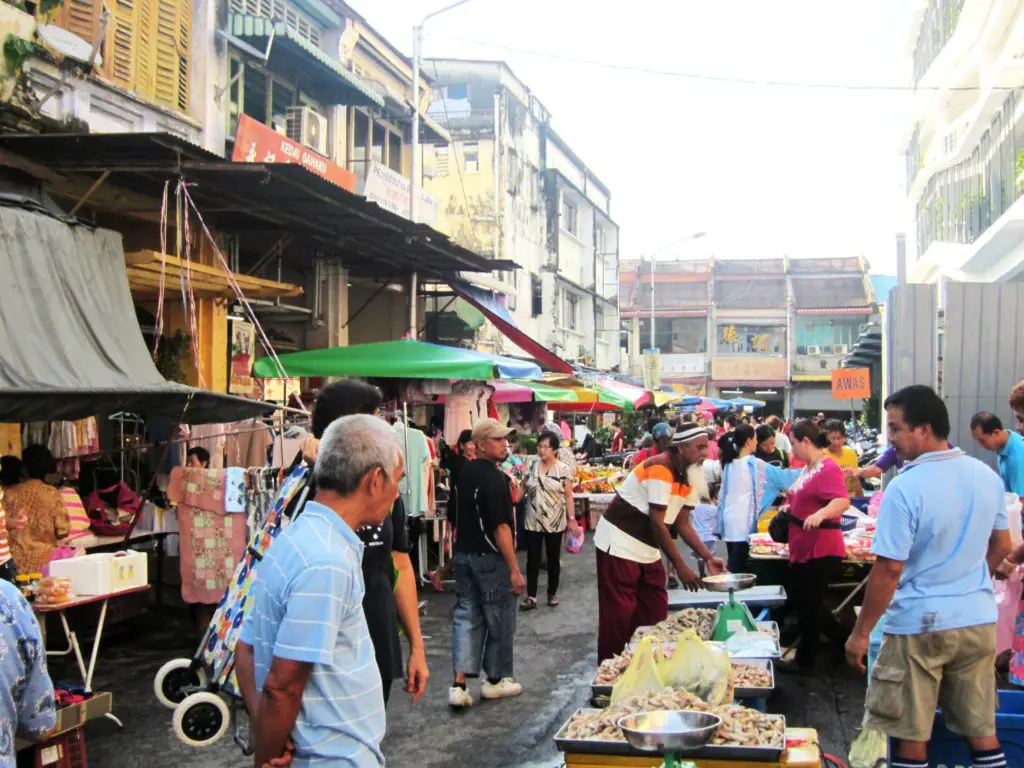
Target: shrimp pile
[(747, 676), (740, 726), (701, 620)]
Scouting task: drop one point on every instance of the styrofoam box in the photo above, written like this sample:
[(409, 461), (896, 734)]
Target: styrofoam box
[(103, 572)]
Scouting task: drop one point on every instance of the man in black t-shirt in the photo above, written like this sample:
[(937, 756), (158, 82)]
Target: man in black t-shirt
[(487, 572)]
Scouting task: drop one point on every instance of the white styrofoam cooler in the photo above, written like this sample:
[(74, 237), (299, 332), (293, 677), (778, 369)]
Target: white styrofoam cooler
[(104, 572)]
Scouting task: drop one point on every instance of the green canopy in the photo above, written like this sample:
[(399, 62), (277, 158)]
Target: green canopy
[(406, 359), (548, 393)]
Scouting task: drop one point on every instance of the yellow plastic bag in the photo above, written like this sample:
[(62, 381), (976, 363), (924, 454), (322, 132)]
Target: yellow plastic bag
[(642, 675), (869, 749), (702, 669)]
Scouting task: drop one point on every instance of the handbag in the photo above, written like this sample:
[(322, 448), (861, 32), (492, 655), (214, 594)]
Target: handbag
[(778, 528)]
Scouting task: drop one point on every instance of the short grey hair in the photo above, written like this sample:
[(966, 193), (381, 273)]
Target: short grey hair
[(351, 447)]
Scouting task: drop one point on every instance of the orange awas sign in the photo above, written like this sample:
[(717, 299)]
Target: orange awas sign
[(851, 383)]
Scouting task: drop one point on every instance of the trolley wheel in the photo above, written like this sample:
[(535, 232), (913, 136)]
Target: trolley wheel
[(177, 679), (201, 719)]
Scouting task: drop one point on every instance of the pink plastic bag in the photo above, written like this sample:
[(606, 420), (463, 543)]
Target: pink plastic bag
[(574, 542), (1008, 595), (875, 504)]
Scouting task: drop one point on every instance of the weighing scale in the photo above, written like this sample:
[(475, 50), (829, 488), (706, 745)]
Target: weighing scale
[(731, 616), (673, 733)]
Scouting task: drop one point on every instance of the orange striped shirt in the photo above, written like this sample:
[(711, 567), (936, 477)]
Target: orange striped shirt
[(5, 549)]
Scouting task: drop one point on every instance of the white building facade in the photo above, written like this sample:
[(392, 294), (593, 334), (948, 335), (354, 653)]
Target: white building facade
[(965, 142)]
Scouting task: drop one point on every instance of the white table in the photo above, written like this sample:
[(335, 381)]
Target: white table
[(72, 638)]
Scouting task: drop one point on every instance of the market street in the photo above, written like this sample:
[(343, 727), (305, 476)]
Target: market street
[(555, 660)]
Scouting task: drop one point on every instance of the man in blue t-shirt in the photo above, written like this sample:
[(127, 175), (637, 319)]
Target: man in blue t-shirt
[(942, 530), (987, 429)]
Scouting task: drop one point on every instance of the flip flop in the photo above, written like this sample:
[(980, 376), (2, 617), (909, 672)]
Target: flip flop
[(529, 604), (553, 602)]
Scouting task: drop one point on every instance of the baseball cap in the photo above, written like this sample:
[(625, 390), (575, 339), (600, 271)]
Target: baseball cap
[(488, 429)]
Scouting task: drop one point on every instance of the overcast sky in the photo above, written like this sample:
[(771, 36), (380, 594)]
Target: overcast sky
[(765, 171)]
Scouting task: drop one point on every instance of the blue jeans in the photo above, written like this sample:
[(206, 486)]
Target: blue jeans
[(484, 619)]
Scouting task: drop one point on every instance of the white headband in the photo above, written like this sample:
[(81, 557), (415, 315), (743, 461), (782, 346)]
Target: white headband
[(686, 435)]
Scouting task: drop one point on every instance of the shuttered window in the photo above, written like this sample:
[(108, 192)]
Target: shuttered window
[(146, 46), (281, 10)]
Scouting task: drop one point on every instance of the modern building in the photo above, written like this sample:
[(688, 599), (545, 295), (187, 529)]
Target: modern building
[(509, 185), (768, 329), (964, 142)]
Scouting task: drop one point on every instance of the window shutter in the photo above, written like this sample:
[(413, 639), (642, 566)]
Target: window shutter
[(184, 49), (81, 17), (122, 43), (171, 59), (145, 48)]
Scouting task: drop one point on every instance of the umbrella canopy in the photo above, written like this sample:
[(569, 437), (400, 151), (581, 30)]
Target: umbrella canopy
[(406, 359), (592, 400), (636, 396), (548, 393)]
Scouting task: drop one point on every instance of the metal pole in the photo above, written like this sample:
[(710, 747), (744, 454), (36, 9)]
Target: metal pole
[(414, 185), (653, 345), (413, 287)]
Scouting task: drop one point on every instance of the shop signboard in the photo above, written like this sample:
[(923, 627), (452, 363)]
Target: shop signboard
[(689, 364), (752, 368), (243, 354), (391, 190), (851, 383), (279, 390), (256, 143), (652, 368)]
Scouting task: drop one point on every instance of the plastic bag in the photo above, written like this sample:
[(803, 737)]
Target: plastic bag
[(574, 542), (1008, 594), (875, 503), (702, 669), (642, 675), (869, 750)]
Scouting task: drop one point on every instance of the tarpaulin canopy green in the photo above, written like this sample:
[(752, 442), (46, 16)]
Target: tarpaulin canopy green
[(406, 359), (548, 393)]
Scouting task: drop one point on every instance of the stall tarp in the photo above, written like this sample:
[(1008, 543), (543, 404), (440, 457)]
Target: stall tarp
[(498, 313), (550, 394), (406, 359), (70, 344)]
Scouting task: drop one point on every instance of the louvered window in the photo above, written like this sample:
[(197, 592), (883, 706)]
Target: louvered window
[(146, 46), (280, 10)]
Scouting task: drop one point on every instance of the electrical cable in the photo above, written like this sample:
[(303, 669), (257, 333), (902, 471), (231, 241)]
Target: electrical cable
[(726, 79)]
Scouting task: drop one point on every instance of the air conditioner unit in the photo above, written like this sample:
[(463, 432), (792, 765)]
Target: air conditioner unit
[(813, 350), (308, 127), (827, 349), (840, 349)]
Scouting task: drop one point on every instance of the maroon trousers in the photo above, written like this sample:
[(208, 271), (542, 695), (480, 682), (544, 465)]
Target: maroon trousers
[(629, 595)]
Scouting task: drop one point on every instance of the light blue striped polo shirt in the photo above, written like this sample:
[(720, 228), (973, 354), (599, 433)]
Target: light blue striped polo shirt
[(307, 605)]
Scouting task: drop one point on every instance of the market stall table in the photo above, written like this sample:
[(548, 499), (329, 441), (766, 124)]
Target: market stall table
[(803, 754), (73, 646)]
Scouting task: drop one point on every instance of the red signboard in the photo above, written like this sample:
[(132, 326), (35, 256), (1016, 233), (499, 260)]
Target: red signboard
[(256, 143)]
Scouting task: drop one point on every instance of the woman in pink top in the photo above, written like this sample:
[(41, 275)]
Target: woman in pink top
[(816, 550)]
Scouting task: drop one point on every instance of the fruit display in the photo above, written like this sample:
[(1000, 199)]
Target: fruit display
[(597, 479)]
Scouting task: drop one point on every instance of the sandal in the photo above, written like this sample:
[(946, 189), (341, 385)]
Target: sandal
[(553, 602), (529, 604)]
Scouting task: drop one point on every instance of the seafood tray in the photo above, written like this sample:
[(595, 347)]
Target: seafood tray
[(604, 690), (768, 627), (710, 752), (739, 692)]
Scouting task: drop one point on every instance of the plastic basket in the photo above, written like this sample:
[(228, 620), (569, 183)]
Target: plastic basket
[(848, 522), (64, 751), (949, 750)]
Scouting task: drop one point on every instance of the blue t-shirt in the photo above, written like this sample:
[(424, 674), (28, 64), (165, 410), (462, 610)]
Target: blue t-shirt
[(27, 704), (936, 518), (307, 606), (1011, 464)]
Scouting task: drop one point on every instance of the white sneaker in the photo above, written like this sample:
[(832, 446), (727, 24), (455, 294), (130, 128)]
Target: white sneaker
[(459, 697), (503, 689)]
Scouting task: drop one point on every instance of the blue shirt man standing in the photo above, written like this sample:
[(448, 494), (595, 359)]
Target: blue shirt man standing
[(27, 706), (942, 530), (305, 654), (1008, 446)]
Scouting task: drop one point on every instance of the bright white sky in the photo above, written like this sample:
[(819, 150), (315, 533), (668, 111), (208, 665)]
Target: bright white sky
[(765, 171)]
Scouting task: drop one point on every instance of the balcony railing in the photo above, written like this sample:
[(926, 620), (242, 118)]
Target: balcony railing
[(937, 27)]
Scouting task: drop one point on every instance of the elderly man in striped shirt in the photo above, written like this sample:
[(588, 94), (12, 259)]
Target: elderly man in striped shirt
[(305, 661)]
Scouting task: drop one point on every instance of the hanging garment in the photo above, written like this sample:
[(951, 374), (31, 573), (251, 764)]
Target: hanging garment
[(35, 433), (415, 486), (211, 437), (234, 489), (10, 440), (287, 446), (211, 541), (246, 443)]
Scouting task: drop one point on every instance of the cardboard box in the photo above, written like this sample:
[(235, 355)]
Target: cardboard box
[(77, 715)]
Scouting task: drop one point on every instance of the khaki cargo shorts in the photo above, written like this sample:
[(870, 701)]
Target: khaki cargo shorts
[(953, 670)]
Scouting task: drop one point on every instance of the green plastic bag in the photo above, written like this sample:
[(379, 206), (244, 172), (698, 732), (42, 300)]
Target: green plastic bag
[(642, 675), (869, 750), (702, 669)]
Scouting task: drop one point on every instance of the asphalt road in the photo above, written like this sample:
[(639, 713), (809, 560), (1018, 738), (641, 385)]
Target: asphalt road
[(555, 661)]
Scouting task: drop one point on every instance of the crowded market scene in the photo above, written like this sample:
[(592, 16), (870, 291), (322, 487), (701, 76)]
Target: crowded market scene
[(345, 422)]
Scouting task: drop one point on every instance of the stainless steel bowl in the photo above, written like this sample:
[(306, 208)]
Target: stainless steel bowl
[(725, 582), (680, 730)]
